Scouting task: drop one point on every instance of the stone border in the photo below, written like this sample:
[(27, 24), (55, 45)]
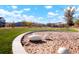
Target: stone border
[(17, 46)]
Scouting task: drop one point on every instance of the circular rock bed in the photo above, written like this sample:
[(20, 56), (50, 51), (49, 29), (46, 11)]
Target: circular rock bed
[(50, 42)]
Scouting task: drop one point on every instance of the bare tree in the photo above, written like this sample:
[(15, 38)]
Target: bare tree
[(69, 12)]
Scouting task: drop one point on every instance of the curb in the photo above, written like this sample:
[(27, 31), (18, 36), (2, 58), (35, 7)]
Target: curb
[(17, 46)]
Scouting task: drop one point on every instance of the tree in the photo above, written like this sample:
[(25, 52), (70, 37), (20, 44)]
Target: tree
[(49, 24), (69, 12), (29, 24), (24, 23), (2, 22)]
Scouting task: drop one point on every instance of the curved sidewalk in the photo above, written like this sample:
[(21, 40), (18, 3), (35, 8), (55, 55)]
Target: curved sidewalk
[(17, 46)]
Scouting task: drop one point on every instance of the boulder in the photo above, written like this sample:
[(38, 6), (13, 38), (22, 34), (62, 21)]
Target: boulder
[(63, 50), (35, 38)]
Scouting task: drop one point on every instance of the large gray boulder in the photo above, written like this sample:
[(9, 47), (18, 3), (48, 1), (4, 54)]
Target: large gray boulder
[(35, 38)]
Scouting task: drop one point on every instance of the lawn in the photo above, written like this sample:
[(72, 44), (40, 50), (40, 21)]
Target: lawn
[(8, 34)]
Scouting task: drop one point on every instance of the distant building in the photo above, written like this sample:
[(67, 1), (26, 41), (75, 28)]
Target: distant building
[(2, 22), (18, 24)]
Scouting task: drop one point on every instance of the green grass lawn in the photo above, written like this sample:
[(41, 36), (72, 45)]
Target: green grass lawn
[(7, 36)]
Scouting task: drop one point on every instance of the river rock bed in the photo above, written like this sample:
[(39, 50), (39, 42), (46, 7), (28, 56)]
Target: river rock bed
[(69, 40)]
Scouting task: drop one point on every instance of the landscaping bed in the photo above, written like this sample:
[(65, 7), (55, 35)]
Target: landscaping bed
[(52, 42)]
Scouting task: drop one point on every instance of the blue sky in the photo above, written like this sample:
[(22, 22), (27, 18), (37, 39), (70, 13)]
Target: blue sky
[(35, 13)]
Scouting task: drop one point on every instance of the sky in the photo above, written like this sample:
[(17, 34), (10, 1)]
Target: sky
[(35, 13)]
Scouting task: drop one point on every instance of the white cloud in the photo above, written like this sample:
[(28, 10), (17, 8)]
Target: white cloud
[(57, 11), (76, 15), (40, 18), (16, 16), (3, 11), (27, 9), (32, 18), (14, 7), (25, 16), (77, 9), (61, 19), (48, 7), (52, 14), (11, 15), (17, 11)]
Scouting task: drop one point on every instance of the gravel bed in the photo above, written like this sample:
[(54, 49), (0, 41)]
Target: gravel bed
[(69, 40)]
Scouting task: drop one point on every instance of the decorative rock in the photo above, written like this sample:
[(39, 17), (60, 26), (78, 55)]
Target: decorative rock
[(35, 39), (63, 50)]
